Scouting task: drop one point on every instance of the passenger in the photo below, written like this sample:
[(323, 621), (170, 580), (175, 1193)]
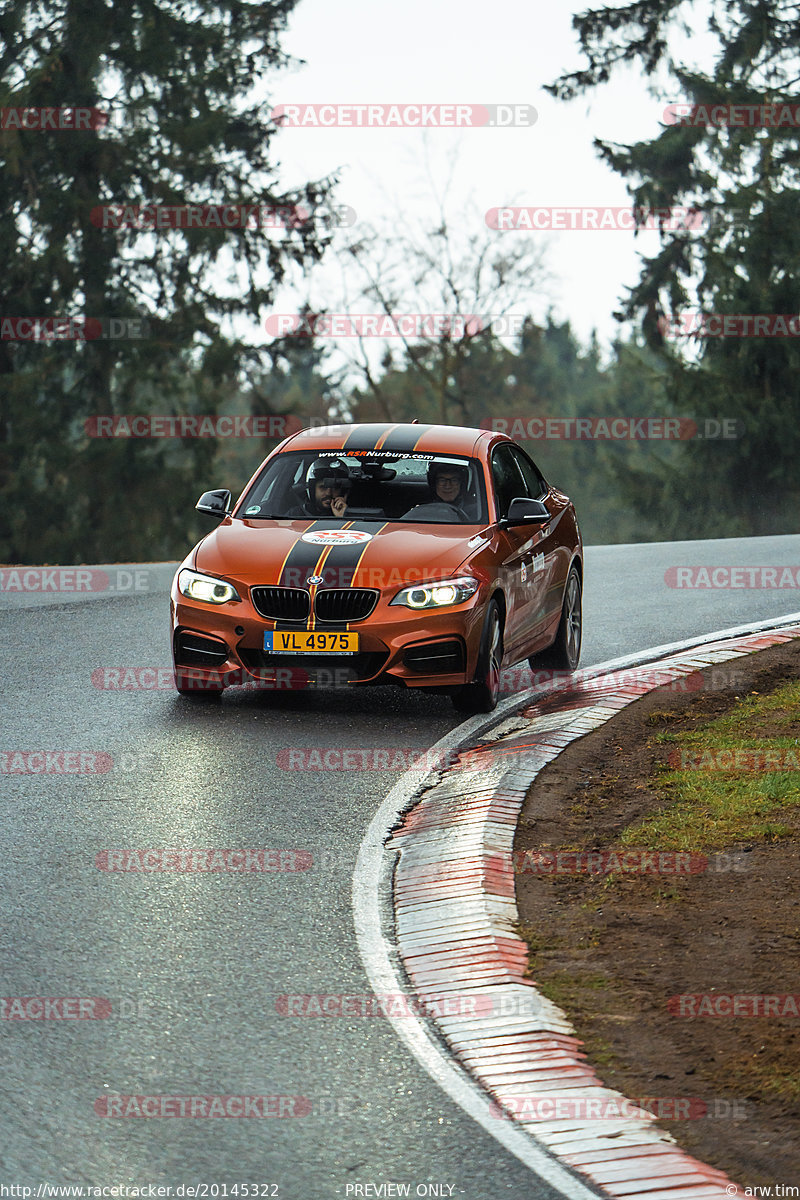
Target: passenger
[(448, 484)]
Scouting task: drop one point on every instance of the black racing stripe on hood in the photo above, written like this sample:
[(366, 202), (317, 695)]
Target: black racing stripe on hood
[(342, 562), (340, 565), (364, 438), (406, 439), (299, 564), (303, 556)]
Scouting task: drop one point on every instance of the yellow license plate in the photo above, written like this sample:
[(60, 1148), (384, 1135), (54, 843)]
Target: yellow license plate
[(308, 642)]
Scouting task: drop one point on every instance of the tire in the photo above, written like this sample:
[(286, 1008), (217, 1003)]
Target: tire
[(482, 696), (565, 652)]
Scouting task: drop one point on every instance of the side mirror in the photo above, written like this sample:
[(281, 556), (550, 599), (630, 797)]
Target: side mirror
[(522, 510), (215, 504)]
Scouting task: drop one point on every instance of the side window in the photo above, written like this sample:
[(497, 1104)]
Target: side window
[(508, 483), (534, 480)]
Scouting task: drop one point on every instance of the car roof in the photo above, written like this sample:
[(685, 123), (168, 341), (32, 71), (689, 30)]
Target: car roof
[(388, 436)]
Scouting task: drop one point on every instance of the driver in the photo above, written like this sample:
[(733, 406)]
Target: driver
[(327, 487), (448, 483)]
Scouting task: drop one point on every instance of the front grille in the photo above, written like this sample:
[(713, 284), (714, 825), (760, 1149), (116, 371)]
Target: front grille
[(281, 603), (436, 658), (194, 650), (345, 604)]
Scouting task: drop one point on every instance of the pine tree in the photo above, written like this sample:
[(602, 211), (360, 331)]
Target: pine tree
[(743, 182), (187, 125)]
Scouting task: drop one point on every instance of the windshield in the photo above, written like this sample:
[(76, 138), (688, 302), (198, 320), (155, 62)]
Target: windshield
[(419, 488)]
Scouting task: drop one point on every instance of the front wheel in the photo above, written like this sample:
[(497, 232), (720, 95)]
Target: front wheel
[(565, 652), (483, 695)]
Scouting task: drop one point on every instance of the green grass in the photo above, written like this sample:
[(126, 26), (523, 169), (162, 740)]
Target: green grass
[(713, 809)]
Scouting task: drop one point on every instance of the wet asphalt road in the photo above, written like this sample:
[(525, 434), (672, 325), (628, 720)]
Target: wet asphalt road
[(193, 963)]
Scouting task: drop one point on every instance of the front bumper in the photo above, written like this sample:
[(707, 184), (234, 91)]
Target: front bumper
[(429, 648)]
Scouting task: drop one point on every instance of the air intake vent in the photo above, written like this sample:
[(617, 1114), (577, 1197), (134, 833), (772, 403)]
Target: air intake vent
[(436, 658), (193, 650)]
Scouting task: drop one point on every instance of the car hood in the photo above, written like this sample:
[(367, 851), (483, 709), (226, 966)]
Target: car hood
[(287, 552)]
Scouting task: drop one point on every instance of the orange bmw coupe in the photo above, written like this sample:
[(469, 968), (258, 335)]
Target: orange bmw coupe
[(426, 556)]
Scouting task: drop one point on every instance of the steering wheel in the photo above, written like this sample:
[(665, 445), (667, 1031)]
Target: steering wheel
[(462, 516), (437, 505)]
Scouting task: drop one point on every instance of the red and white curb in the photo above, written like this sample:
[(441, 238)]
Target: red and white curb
[(454, 905)]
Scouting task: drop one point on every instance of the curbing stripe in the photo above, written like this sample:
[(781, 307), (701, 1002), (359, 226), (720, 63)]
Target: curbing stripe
[(572, 1086), (432, 827)]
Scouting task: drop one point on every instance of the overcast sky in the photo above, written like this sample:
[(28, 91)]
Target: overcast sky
[(470, 52)]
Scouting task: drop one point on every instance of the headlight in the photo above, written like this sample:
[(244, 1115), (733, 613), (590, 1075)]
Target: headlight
[(206, 587), (438, 595)]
